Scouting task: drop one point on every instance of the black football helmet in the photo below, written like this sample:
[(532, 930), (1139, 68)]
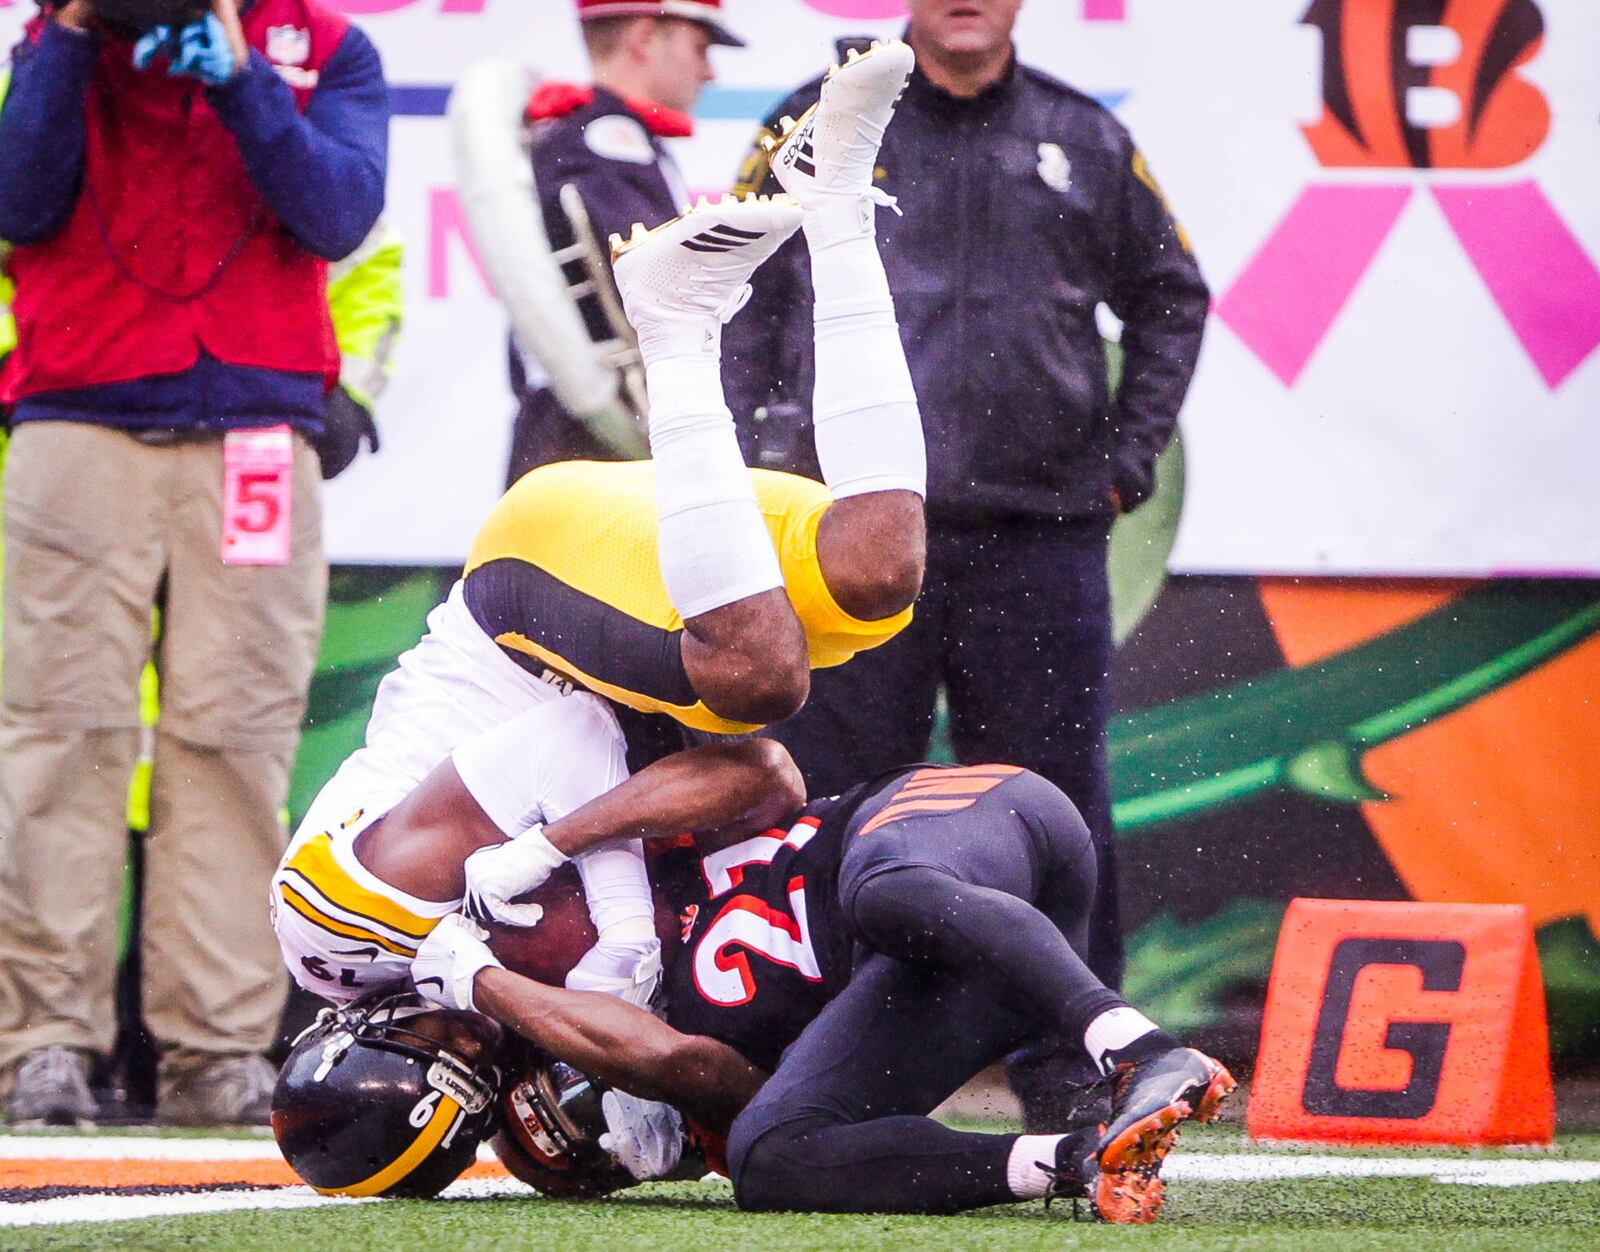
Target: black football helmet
[(388, 1096), (550, 1127)]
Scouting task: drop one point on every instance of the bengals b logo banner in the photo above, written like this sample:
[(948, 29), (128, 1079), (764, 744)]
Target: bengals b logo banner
[(1390, 82)]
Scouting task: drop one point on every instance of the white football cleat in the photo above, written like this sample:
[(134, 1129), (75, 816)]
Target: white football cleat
[(681, 281), (827, 159)]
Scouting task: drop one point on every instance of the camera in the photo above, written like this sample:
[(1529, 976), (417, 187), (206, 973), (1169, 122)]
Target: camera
[(138, 16)]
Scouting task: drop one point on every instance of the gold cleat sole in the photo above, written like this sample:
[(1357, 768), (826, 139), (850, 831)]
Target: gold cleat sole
[(641, 234), (770, 143)]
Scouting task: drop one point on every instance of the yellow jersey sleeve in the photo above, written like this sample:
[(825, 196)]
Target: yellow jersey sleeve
[(793, 508)]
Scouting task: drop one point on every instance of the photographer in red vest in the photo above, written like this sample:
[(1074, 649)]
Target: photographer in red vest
[(175, 176)]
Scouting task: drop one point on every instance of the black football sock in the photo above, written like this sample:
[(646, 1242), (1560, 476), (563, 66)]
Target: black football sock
[(888, 1165)]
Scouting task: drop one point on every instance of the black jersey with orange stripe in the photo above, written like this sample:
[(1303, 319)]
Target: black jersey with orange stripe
[(565, 576), (765, 942)]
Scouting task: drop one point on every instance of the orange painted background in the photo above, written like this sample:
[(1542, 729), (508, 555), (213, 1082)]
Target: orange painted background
[(1498, 802)]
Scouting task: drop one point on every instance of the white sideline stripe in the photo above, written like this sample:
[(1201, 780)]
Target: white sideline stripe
[(115, 1208), (1241, 1167), (120, 1208), (133, 1148), (144, 1148), (1195, 1167)]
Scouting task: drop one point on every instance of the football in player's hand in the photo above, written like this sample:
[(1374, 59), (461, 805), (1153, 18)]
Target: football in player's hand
[(548, 951)]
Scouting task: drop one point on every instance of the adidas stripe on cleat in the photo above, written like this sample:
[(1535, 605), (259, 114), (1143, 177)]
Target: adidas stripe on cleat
[(801, 154), (826, 160), (721, 239), (833, 147), (682, 280)]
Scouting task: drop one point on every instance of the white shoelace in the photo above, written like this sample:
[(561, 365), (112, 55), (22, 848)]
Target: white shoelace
[(702, 283)]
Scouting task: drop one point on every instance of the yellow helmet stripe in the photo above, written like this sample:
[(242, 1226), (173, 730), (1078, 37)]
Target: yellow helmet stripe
[(428, 1138), (313, 914)]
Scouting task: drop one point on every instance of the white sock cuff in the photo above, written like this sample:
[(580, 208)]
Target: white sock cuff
[(667, 512), (881, 482), (877, 448), (866, 404), (698, 464), (685, 385), (834, 220), (1113, 1030), (1026, 1169), (865, 305), (847, 270), (693, 339)]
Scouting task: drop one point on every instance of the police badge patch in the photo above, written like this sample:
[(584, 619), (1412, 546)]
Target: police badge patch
[(619, 138), (1054, 167)]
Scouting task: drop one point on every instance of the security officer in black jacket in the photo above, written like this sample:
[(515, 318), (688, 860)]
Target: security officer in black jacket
[(650, 63), (1026, 206)]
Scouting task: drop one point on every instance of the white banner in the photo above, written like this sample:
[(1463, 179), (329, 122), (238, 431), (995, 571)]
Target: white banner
[(1397, 203)]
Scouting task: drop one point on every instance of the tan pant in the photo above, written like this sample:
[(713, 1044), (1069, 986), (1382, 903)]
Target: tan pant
[(97, 525)]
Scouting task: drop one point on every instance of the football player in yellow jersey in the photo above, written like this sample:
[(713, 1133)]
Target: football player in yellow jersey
[(690, 586), (566, 577)]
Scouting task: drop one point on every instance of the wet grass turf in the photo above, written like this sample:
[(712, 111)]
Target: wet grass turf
[(1343, 1215)]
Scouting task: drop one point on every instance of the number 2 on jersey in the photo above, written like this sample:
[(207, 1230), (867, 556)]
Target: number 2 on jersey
[(749, 925)]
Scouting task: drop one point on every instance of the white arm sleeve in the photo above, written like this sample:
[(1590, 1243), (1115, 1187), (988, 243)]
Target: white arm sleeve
[(546, 763), (614, 881), (618, 891)]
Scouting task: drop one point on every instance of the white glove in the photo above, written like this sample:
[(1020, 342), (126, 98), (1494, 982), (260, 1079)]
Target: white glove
[(645, 1137), (629, 971), (449, 959), (501, 872)]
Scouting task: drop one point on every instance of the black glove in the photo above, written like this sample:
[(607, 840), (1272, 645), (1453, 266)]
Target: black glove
[(344, 425)]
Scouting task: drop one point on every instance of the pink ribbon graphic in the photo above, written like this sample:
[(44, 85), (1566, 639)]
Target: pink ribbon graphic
[(1547, 286), (1538, 273), (1288, 298)]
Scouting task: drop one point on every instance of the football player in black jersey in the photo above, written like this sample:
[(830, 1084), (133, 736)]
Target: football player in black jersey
[(845, 972)]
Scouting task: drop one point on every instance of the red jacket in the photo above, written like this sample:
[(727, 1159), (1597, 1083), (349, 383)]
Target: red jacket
[(169, 249)]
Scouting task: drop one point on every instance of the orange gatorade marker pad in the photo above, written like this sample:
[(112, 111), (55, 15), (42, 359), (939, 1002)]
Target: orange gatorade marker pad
[(1400, 1024)]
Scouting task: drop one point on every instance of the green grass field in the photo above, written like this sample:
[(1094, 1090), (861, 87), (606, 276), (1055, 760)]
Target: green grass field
[(1343, 1214)]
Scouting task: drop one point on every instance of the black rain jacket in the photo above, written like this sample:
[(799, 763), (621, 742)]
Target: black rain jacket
[(1024, 209)]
